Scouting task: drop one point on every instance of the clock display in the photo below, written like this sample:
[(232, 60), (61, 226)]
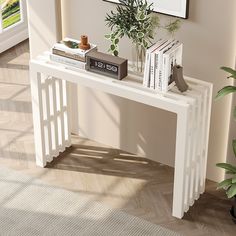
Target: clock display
[(103, 67), (106, 64)]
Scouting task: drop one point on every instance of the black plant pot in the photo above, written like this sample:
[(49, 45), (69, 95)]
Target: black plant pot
[(233, 210)]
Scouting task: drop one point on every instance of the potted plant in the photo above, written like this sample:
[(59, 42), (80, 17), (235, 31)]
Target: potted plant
[(135, 19), (229, 184)]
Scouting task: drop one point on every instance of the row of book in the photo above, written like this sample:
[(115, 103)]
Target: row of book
[(68, 53), (159, 62)]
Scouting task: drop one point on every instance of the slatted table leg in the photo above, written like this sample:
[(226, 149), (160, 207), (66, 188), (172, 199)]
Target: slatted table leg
[(50, 116)]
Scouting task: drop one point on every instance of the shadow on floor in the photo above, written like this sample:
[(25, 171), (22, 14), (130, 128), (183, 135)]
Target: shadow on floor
[(110, 161)]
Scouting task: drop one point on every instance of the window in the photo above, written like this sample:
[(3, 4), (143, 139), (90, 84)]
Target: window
[(13, 23)]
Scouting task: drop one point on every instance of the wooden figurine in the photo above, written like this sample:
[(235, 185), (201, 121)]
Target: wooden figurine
[(84, 45)]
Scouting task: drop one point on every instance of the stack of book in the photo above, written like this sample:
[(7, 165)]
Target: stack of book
[(67, 52), (160, 59)]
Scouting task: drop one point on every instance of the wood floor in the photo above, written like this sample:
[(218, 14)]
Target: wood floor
[(121, 180)]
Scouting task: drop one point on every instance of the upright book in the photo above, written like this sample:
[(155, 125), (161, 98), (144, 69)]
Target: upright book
[(159, 64), (153, 63), (171, 57), (147, 68)]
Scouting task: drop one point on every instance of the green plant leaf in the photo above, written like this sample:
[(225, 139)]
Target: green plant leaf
[(107, 36), (225, 183), (225, 91), (140, 34), (116, 41), (227, 167), (173, 26), (229, 70), (144, 44), (113, 47), (231, 191), (234, 180), (141, 16), (115, 53)]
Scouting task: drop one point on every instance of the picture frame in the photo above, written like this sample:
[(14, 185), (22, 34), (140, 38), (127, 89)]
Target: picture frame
[(177, 8)]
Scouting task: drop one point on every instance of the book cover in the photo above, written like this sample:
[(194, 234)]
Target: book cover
[(170, 58)]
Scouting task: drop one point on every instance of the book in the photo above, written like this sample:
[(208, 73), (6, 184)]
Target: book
[(153, 64), (146, 79), (62, 49), (68, 55), (159, 62), (67, 61), (171, 57)]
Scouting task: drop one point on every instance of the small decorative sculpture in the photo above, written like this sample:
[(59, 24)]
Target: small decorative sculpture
[(84, 45), (179, 78)]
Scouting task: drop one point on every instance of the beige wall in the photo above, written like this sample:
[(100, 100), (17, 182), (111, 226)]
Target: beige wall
[(44, 24), (208, 36)]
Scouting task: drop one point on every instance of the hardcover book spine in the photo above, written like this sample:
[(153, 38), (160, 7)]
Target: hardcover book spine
[(165, 74), (157, 78), (68, 61), (159, 71), (152, 70)]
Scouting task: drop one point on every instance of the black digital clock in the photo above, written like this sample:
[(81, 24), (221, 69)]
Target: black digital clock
[(104, 67), (106, 64)]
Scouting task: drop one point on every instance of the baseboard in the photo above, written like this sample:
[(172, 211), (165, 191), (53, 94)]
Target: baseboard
[(14, 40)]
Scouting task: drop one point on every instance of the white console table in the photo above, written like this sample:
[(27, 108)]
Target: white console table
[(193, 109)]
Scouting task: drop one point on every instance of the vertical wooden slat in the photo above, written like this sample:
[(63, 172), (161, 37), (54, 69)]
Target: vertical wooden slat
[(60, 115), (201, 127), (37, 106), (198, 153), (53, 139), (47, 122), (204, 122), (193, 151), (195, 158), (65, 86), (54, 119), (206, 133), (188, 158)]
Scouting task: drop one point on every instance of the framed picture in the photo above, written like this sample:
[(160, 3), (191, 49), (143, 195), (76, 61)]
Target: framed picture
[(13, 23), (178, 8)]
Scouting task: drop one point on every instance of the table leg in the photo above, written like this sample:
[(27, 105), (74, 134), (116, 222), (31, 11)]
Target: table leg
[(50, 116), (180, 163)]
